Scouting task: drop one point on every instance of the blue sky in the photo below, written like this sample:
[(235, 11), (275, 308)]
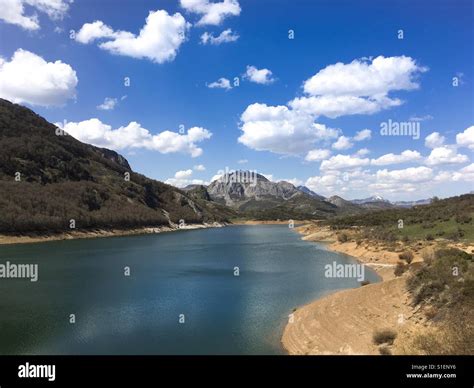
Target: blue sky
[(345, 71)]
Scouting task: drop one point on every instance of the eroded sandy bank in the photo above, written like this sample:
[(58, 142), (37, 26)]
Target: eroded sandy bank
[(344, 322), (97, 233)]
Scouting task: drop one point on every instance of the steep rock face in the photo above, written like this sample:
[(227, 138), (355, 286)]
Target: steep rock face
[(48, 178), (114, 157), (233, 190), (254, 196), (306, 190)]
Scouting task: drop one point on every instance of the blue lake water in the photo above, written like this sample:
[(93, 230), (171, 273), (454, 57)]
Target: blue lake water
[(188, 273)]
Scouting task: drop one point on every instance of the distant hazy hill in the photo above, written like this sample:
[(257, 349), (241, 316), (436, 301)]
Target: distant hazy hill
[(375, 202), (412, 203), (347, 206), (47, 179)]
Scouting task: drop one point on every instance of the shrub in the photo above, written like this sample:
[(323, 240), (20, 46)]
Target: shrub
[(400, 268), (384, 336), (407, 256), (384, 350), (463, 219), (429, 237), (342, 237)]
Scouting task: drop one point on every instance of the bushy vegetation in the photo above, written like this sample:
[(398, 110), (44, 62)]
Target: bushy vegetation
[(61, 179), (400, 269), (406, 256), (384, 336), (444, 288), (342, 237), (450, 218)]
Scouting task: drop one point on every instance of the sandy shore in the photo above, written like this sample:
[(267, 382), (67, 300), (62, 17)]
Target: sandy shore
[(97, 233), (344, 322), (270, 222)]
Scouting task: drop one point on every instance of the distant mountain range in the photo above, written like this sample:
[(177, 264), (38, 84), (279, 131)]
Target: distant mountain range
[(379, 202), (254, 196), (48, 179)]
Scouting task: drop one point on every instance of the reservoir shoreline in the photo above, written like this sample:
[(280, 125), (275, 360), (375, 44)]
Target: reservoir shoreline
[(6, 239), (343, 322)]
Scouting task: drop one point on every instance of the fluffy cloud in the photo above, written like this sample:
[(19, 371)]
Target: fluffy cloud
[(294, 181), (434, 140), (365, 134), (13, 11), (466, 138), (362, 78), (91, 32), (281, 130), (339, 162), (221, 83), (402, 181), (464, 174), (364, 182), (342, 143), (182, 179), (262, 76), (360, 87), (226, 36), (212, 13), (445, 155), (404, 157), (108, 104), (317, 155), (133, 135), (199, 167), (159, 39), (336, 106), (411, 174), (183, 174), (28, 78), (363, 152)]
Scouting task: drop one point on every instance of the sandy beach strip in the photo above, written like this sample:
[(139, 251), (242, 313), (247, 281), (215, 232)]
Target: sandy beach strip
[(344, 322), (98, 233)]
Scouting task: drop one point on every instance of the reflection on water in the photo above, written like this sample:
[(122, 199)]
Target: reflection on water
[(187, 272)]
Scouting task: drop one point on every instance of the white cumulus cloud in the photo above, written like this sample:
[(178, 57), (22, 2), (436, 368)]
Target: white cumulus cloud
[(404, 157), (339, 162), (445, 155), (342, 143), (133, 135), (108, 104), (182, 178), (466, 138), (365, 134), (28, 78), (221, 83), (434, 140), (158, 41), (212, 13), (199, 167), (281, 130), (13, 11), (317, 155), (259, 76), (225, 36), (360, 87)]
